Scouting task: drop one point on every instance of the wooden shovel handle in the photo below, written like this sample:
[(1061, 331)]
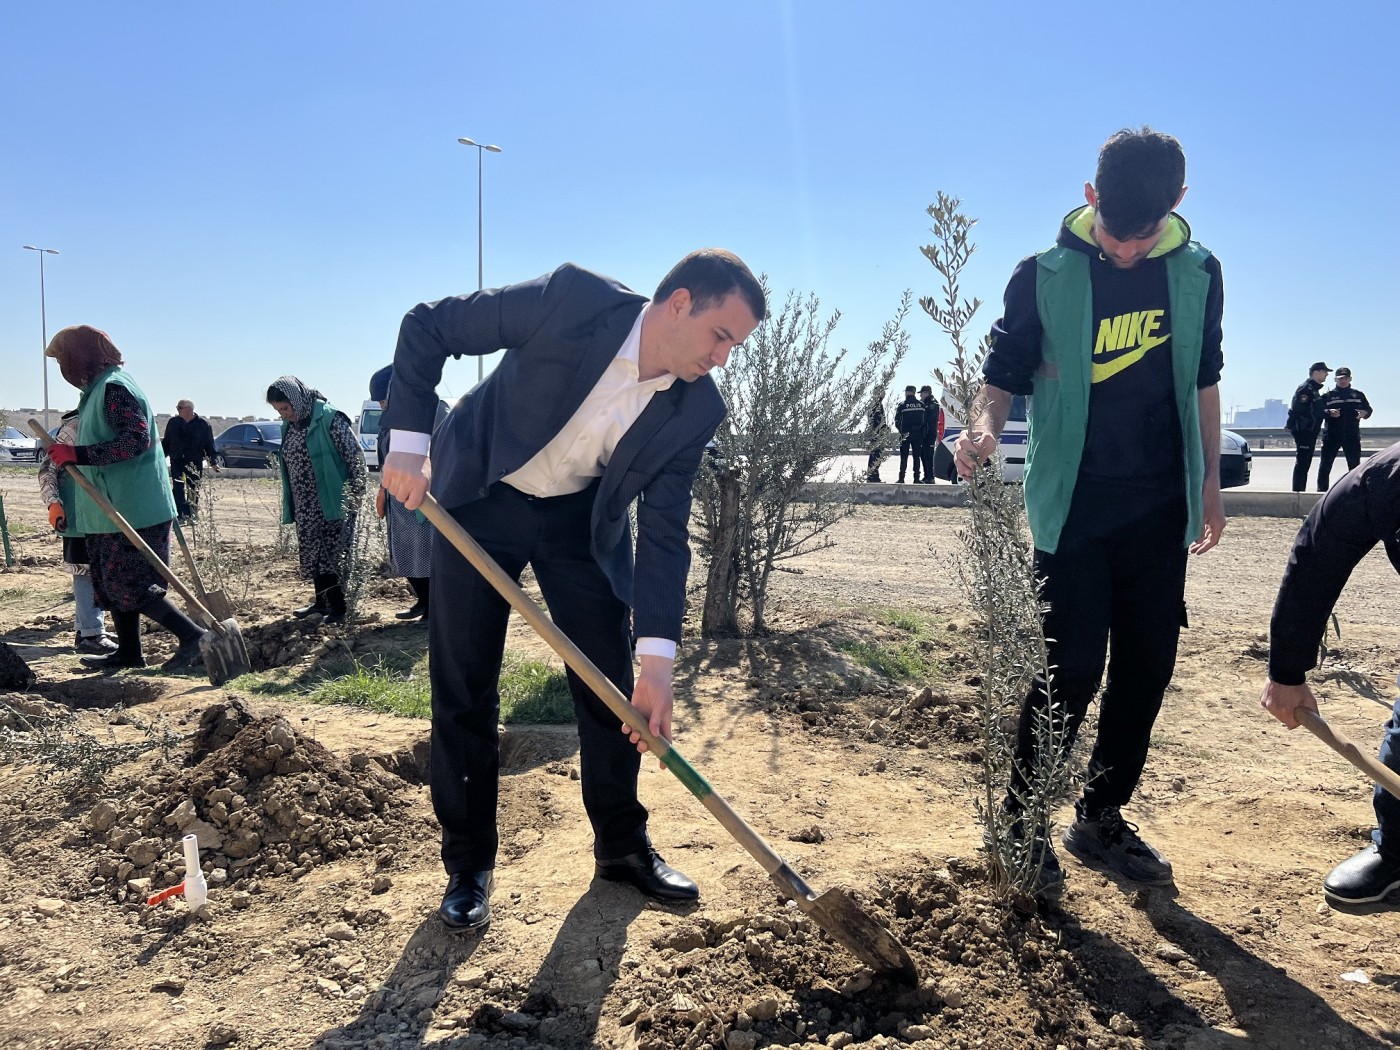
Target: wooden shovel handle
[(130, 533), (1318, 727), (606, 691)]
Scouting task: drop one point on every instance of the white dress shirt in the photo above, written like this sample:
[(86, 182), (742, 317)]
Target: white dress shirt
[(584, 445)]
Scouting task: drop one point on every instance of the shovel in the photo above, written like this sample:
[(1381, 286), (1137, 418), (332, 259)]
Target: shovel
[(221, 645), (1382, 775), (834, 910), (215, 601)]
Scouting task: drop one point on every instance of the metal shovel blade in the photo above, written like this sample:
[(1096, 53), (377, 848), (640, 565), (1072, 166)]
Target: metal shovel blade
[(851, 926), (225, 655)]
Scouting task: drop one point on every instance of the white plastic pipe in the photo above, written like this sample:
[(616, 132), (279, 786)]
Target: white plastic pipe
[(196, 887)]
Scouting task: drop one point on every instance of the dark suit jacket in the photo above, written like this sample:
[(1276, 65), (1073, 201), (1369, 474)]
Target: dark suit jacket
[(561, 331)]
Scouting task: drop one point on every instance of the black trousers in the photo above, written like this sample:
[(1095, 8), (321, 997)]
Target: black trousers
[(1115, 586), (1306, 446), (1349, 442), (184, 485), (466, 639), (909, 445), (925, 449)]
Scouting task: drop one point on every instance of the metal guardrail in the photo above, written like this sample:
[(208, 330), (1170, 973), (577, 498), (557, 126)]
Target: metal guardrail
[(1374, 438)]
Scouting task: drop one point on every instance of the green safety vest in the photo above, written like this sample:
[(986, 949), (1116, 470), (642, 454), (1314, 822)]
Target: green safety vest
[(1059, 412), (326, 463), (138, 487)]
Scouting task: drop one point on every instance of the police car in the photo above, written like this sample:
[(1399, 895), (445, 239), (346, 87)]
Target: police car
[(1235, 458)]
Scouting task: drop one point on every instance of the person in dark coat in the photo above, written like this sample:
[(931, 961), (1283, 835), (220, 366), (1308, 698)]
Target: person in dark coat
[(188, 442), (1305, 421), (117, 450), (933, 431), (603, 400), (911, 421), (1343, 409), (1343, 527)]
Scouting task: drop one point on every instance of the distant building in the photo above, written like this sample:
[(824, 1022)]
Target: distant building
[(1273, 414)]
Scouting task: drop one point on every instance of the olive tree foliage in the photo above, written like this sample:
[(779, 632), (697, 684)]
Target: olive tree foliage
[(794, 406), (995, 569)]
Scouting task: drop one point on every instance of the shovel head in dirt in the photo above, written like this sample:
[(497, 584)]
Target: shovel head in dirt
[(225, 655), (834, 910)]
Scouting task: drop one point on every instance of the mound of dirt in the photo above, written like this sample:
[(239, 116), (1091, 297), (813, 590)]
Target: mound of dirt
[(990, 976), (281, 643), (263, 800)]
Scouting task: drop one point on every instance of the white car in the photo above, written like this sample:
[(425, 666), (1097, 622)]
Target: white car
[(15, 447), (1235, 458), (369, 433)]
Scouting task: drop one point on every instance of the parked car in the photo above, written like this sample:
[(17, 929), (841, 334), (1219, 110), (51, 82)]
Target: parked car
[(1236, 460), (249, 444), (367, 431), (16, 447)]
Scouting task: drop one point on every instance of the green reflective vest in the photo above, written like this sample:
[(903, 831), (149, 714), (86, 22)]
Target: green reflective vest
[(1059, 412), (330, 468), (138, 487)]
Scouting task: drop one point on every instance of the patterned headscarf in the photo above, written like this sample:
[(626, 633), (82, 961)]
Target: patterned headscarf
[(301, 397), (83, 353)]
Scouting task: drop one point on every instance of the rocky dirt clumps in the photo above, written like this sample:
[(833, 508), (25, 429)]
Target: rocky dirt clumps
[(263, 800)]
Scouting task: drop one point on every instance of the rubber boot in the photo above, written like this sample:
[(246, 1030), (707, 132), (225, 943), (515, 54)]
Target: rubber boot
[(323, 582), (420, 604), (335, 601), (163, 611), (128, 652)]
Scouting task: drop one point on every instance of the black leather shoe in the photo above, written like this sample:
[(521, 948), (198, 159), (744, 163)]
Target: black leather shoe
[(318, 607), (419, 609), (467, 903), (652, 875)]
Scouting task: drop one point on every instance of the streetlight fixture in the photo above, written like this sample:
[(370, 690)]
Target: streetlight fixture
[(43, 323), (479, 150)]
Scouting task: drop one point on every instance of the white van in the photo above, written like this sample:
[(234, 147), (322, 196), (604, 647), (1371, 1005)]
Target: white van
[(1236, 460), (369, 433)]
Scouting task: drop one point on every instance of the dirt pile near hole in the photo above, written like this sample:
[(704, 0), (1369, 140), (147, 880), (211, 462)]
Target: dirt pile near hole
[(263, 800), (282, 643)]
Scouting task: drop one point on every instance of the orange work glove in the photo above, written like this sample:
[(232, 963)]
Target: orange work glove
[(56, 518), (62, 454), (380, 507)]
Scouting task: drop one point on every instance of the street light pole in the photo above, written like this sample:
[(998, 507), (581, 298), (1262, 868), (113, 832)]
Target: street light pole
[(479, 150), (43, 323)]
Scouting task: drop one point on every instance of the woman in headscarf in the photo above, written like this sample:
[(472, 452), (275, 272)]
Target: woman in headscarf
[(410, 534), (323, 480), (117, 449)]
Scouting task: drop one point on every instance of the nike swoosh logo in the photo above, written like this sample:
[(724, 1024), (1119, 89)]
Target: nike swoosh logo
[(1132, 357)]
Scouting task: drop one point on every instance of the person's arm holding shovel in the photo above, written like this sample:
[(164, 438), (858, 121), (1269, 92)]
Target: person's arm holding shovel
[(1360, 510)]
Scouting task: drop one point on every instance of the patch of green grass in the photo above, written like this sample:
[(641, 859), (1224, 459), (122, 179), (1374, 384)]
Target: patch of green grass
[(21, 528), (909, 657), (534, 693)]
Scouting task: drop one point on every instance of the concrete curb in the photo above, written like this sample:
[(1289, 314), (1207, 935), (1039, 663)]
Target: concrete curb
[(1237, 503)]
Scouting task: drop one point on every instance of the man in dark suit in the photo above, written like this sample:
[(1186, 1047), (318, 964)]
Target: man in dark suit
[(540, 463)]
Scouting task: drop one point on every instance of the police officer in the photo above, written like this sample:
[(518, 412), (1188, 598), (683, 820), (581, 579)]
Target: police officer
[(1343, 409), (1305, 421), (911, 422), (933, 431)]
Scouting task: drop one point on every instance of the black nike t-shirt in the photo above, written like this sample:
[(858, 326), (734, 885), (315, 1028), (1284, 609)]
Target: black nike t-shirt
[(1134, 432)]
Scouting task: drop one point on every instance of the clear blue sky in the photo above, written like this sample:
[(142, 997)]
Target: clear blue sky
[(245, 190)]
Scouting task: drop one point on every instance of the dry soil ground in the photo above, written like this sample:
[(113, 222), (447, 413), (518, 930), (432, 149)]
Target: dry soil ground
[(320, 927)]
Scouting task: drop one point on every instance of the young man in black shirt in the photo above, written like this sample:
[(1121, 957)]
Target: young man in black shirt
[(1305, 421), (1116, 331)]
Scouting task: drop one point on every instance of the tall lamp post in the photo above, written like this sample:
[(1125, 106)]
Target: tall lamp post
[(479, 150), (43, 323)]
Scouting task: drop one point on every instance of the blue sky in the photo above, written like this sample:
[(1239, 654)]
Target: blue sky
[(244, 190)]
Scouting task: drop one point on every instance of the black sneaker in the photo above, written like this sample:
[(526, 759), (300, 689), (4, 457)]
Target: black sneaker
[(1110, 843), (98, 644), (1366, 878)]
